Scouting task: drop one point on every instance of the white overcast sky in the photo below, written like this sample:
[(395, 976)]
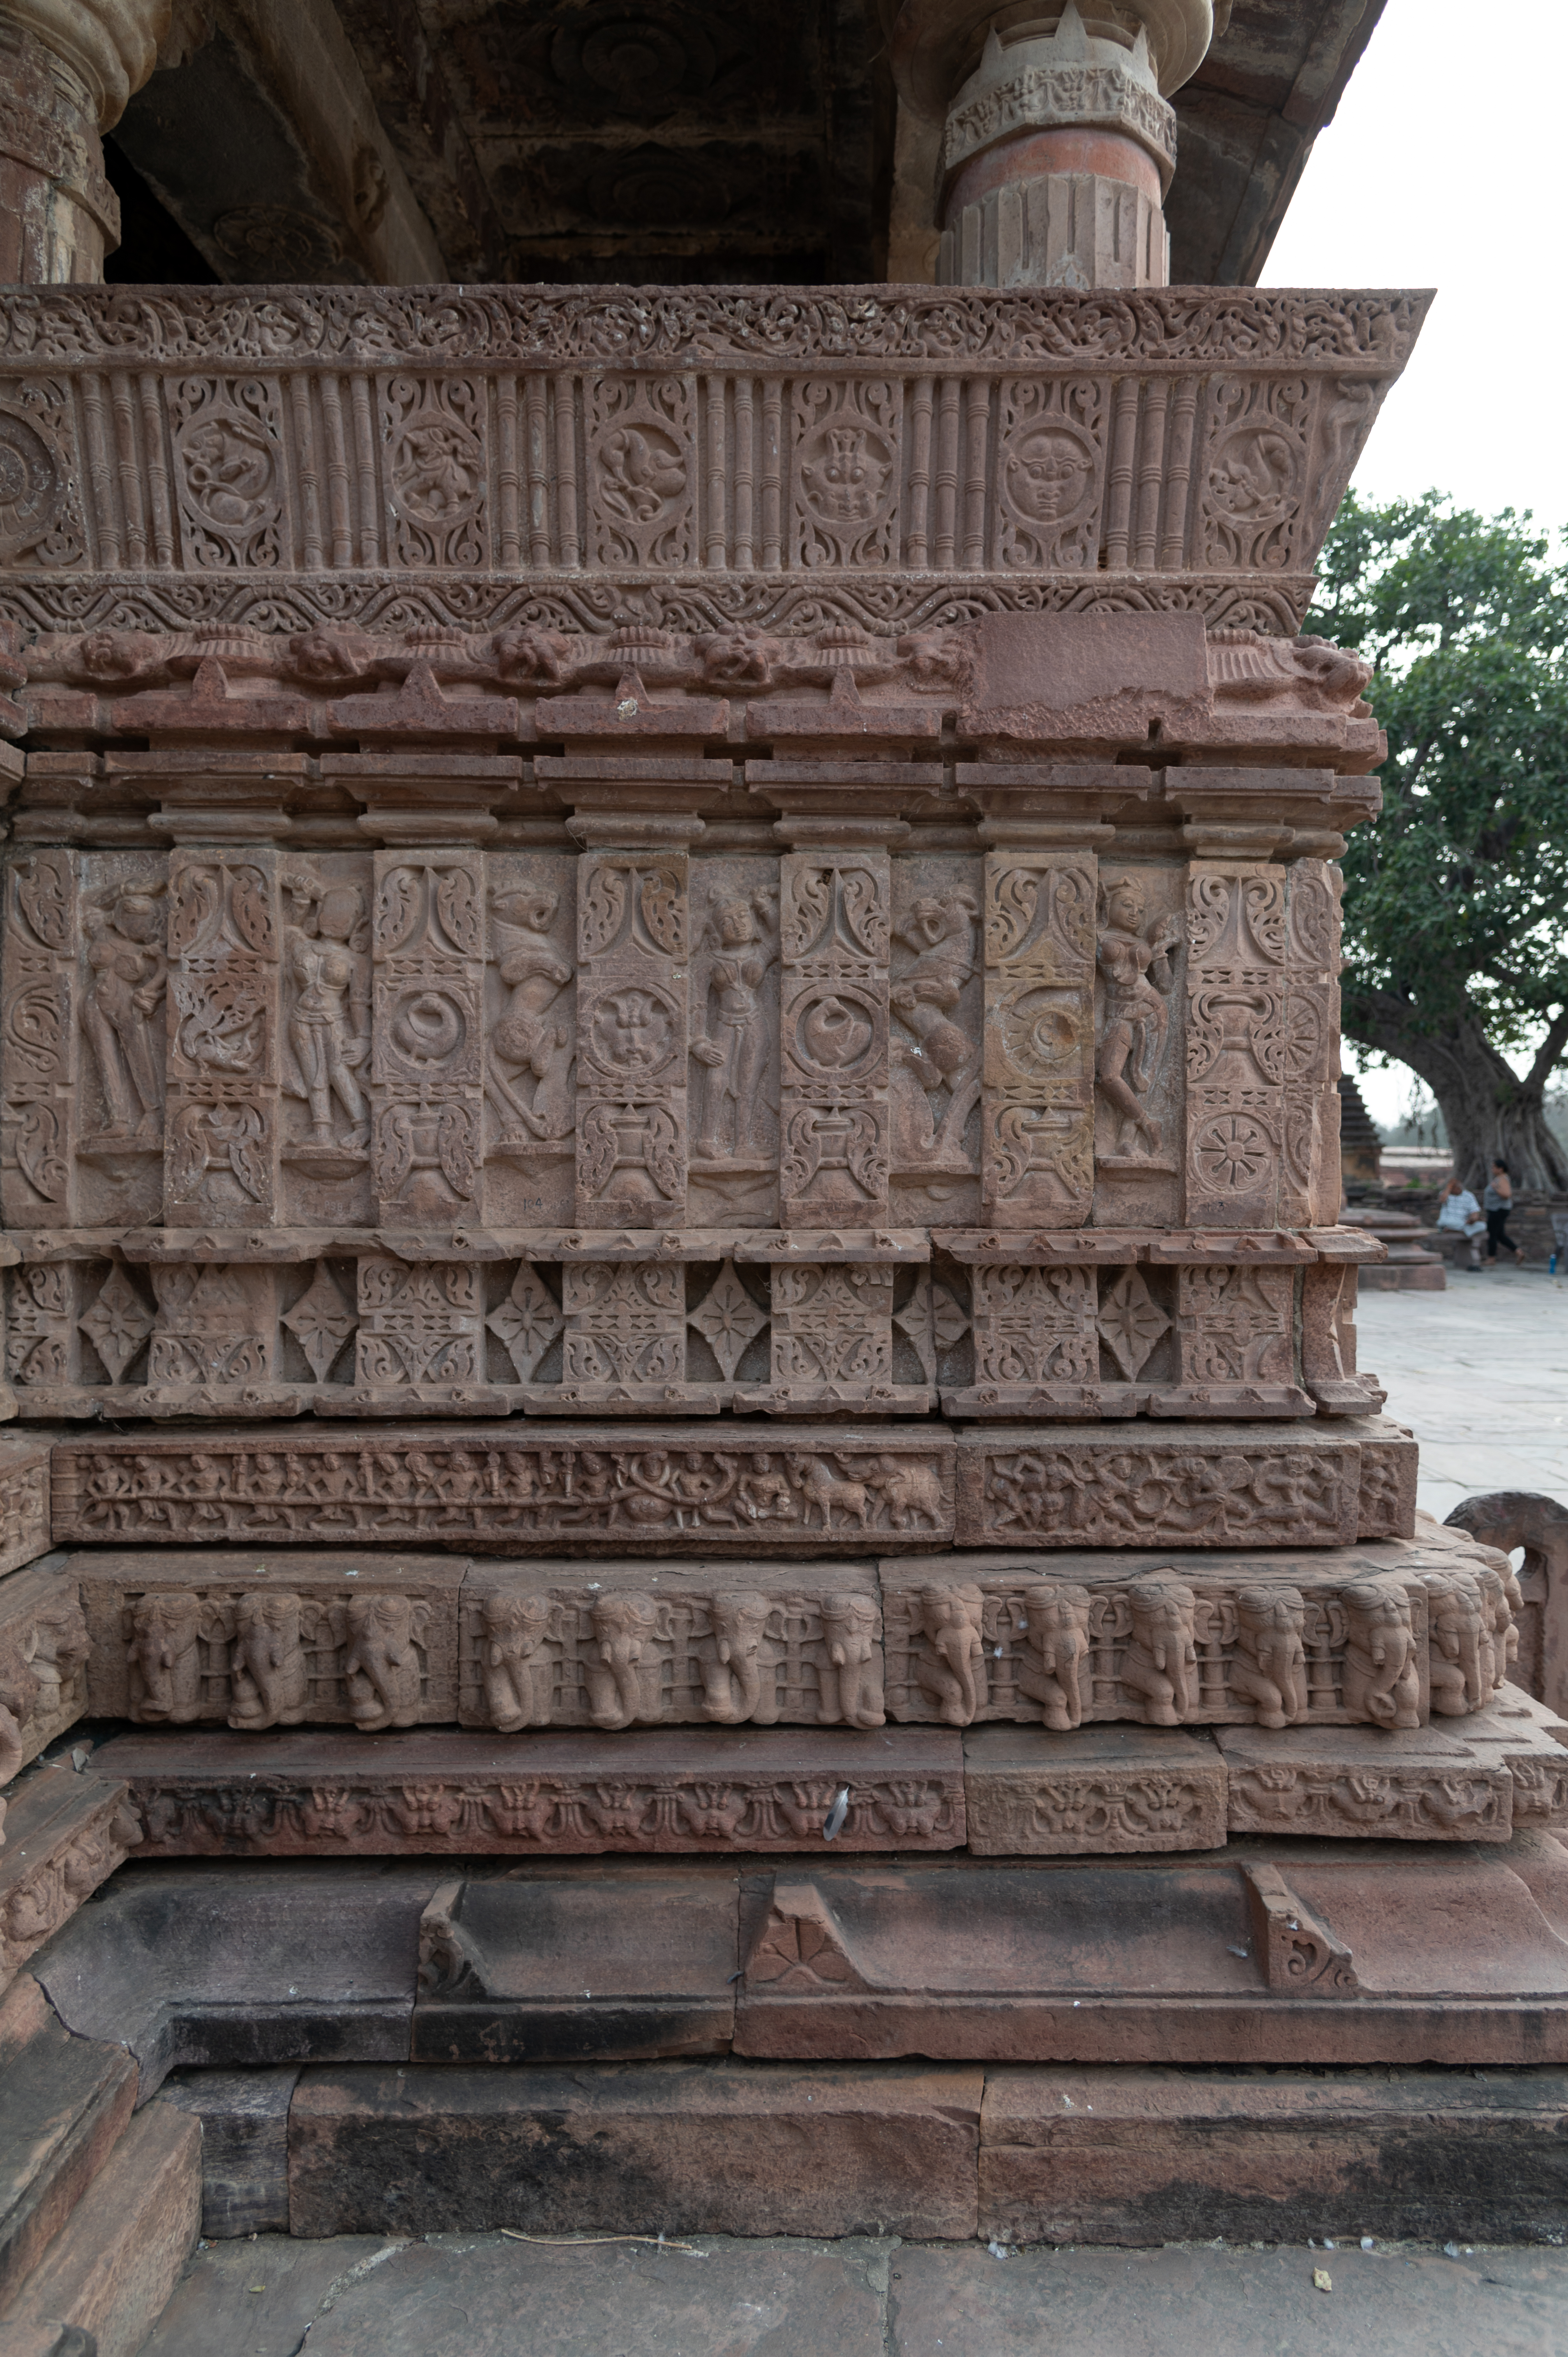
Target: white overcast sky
[(1446, 168)]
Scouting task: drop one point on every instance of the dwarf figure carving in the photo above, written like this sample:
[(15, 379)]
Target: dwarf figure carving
[(1053, 1664), (622, 1671), (850, 1679), (1270, 1666), (1160, 1666), (382, 1667), (515, 1673), (269, 1680), (165, 1655), (1381, 1683), (738, 1663), (1459, 1643), (950, 1663)]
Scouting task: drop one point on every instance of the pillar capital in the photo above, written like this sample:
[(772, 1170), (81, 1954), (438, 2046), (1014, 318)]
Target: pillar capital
[(110, 44), (67, 70), (1057, 143)]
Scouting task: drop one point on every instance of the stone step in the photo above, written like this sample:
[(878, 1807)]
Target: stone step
[(66, 2101), (1288, 1953), (114, 2263), (1033, 1791), (1045, 2154), (65, 1833)]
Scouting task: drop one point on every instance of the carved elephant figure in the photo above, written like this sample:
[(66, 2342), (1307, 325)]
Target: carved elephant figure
[(1270, 1665), (1381, 1684), (1160, 1665), (738, 1663), (950, 1662), (165, 1655), (516, 1678), (56, 1649), (382, 1668), (19, 1703), (621, 1673), (850, 1679), (1495, 1577), (1052, 1665), (1460, 1643), (269, 1678)]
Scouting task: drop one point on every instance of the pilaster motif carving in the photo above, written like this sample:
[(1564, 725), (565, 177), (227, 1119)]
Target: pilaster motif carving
[(633, 952), (835, 911), (427, 1060), (1038, 1165), (222, 1140)]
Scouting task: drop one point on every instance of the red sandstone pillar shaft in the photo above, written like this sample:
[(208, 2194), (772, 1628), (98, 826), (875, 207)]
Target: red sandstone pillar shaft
[(67, 69), (1058, 145)]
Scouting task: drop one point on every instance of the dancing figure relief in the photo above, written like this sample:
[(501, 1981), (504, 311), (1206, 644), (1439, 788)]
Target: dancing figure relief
[(1134, 954), (934, 1077), (535, 1035)]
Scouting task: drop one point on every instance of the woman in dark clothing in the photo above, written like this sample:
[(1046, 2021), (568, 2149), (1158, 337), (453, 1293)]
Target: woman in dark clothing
[(1497, 1203)]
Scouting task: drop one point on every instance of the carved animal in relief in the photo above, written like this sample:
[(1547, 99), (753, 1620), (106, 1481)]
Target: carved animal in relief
[(1380, 1682), (850, 1679), (1270, 1665), (950, 1662), (382, 1668), (269, 1680), (164, 1659), (1052, 1666), (1159, 1667), (737, 1663), (514, 1669)]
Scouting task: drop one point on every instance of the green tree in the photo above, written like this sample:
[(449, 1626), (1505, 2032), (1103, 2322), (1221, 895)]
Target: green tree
[(1457, 900)]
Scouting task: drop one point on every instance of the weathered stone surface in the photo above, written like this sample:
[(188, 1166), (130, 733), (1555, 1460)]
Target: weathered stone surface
[(114, 2263), (637, 2148), (1420, 1783), (244, 2145), (1310, 366), (614, 1966), (43, 1655), (1214, 1485), (1230, 2303), (213, 1634), (613, 1645), (1308, 1953), (64, 1833), (208, 1968), (67, 2101), (1028, 1793), (1275, 1636), (23, 1500), (501, 1490), (1142, 2157), (449, 1794)]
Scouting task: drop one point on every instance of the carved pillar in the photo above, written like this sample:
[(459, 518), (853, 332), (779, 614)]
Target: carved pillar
[(1058, 145), (67, 69)]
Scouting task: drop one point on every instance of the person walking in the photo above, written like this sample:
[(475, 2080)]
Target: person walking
[(1498, 1202), (1460, 1214)]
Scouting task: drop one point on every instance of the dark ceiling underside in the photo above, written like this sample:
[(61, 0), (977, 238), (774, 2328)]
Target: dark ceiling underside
[(646, 141)]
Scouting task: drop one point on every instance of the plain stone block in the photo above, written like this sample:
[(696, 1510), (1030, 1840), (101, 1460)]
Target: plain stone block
[(64, 2100), (244, 2146), (673, 2147), (117, 2259)]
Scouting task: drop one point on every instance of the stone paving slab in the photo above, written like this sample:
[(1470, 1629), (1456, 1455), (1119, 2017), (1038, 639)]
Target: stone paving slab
[(1480, 1374), (489, 2295)]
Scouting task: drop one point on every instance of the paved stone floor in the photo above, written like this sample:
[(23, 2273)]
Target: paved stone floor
[(488, 2296), (1480, 1374)]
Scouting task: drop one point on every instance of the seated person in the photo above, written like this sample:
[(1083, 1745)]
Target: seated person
[(1460, 1214)]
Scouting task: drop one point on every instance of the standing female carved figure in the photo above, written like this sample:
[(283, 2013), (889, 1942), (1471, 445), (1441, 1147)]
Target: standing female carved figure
[(329, 1019), (735, 1056), (129, 972), (1134, 960)]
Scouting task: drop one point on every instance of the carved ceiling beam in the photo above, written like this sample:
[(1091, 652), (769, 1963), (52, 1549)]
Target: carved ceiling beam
[(261, 136)]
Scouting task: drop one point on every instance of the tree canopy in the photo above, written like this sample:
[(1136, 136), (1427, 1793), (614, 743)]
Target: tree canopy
[(1457, 900)]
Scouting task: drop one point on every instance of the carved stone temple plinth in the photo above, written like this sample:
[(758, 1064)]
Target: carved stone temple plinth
[(670, 1158)]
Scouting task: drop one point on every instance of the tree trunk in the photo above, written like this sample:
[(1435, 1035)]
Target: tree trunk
[(1489, 1110)]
